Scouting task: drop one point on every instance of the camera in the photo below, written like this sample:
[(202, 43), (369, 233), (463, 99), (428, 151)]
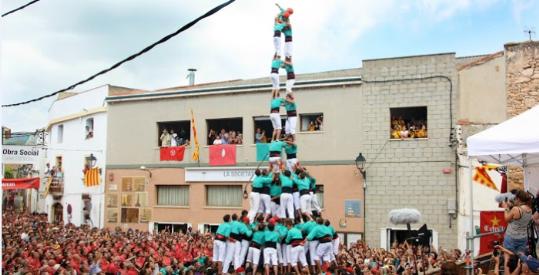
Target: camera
[(496, 251)]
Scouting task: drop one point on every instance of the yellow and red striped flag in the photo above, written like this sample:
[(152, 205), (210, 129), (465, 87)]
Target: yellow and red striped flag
[(196, 151), (91, 177), (481, 176)]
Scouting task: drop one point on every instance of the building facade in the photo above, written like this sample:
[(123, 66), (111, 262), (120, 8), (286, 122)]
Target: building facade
[(397, 112), (77, 138)]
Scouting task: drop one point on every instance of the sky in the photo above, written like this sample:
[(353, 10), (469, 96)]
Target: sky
[(55, 43)]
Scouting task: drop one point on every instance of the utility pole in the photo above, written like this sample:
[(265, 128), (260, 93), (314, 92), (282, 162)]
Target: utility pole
[(529, 32)]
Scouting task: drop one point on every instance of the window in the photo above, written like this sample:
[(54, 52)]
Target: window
[(210, 228), (320, 195), (311, 122), (225, 131), (408, 123), (60, 134), (224, 196), (263, 128), (89, 128), (171, 227), (173, 195), (173, 133)]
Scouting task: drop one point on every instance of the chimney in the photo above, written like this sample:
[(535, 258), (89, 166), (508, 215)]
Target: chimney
[(191, 76)]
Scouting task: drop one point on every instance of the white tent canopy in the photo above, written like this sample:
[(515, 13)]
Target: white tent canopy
[(514, 141)]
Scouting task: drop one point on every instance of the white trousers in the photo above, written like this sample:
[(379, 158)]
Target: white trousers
[(305, 202), (276, 121), (254, 199), (277, 45), (233, 250), (274, 161), (219, 249), (297, 204), (275, 81), (253, 256), (315, 205), (312, 251), (287, 48), (285, 248), (265, 203), (291, 164), (290, 85), (298, 253), (243, 251), (336, 244), (270, 256), (275, 209), (280, 253), (287, 206), (324, 251), (290, 126)]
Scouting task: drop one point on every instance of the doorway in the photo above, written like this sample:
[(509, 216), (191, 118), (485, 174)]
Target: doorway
[(58, 213)]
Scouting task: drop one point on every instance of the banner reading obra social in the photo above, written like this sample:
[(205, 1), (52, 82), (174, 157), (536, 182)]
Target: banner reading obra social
[(14, 154)]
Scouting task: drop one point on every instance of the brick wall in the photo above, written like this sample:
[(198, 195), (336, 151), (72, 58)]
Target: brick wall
[(408, 173)]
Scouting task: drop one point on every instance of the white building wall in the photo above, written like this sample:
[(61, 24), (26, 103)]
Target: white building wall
[(74, 148)]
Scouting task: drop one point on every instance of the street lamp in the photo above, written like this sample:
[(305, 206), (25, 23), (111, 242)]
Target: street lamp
[(360, 165), (147, 170)]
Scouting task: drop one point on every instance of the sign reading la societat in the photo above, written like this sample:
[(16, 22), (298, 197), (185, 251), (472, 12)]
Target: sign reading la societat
[(236, 174), (21, 154)]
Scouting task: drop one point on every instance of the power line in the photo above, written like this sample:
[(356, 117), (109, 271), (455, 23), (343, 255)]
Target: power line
[(19, 8), (143, 51)]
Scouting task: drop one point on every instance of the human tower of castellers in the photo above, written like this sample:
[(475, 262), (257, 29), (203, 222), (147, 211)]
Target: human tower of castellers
[(283, 230)]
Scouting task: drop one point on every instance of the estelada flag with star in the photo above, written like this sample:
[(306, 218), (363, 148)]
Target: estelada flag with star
[(491, 221), (172, 153)]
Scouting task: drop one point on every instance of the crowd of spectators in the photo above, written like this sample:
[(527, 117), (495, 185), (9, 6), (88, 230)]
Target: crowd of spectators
[(401, 128), (31, 245), (316, 124), (169, 138), (224, 137)]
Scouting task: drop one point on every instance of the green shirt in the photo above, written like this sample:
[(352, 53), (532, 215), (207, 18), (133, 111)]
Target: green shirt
[(259, 237), (290, 106), (332, 230), (291, 149), (308, 227), (235, 227), (277, 102), (303, 184), (245, 230), (283, 231), (319, 231), (293, 234), (312, 182), (271, 236), (275, 190), (276, 63), (286, 181), (289, 68), (276, 146), (224, 229), (261, 181)]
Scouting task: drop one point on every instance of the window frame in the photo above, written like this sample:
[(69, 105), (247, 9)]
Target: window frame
[(60, 134), (87, 133), (391, 109), (315, 115), (160, 129), (211, 120), (180, 186), (207, 203), (268, 134)]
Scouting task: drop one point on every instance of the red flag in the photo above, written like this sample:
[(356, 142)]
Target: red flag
[(491, 221), (172, 153), (224, 154), (504, 182)]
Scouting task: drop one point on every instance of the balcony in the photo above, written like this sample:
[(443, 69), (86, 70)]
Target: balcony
[(56, 186)]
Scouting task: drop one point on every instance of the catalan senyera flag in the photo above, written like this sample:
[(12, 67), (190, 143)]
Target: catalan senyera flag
[(196, 151), (481, 176), (91, 177)]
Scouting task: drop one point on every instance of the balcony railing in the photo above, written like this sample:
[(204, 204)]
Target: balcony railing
[(55, 186)]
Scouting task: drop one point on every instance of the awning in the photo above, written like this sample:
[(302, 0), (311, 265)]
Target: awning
[(26, 183)]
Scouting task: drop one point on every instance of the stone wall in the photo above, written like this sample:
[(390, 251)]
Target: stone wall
[(408, 173), (522, 76)]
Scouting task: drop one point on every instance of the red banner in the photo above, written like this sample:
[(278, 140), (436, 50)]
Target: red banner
[(491, 221), (26, 183), (172, 153), (224, 154)]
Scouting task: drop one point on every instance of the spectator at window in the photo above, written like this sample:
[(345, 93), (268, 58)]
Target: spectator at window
[(217, 141), (89, 132), (225, 139), (239, 138), (173, 139), (264, 138), (182, 136), (165, 138), (258, 136), (311, 126), (319, 122), (212, 136), (232, 135)]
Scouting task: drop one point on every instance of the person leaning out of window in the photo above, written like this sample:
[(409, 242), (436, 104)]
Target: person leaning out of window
[(518, 214)]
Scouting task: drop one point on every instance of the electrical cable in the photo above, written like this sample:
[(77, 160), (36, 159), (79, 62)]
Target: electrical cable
[(143, 51), (19, 8)]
